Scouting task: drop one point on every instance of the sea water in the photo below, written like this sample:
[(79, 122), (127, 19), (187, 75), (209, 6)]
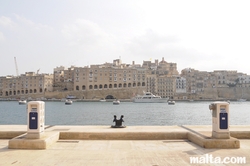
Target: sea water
[(135, 114)]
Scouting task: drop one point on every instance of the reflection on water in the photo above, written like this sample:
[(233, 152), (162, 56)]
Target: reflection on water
[(135, 114)]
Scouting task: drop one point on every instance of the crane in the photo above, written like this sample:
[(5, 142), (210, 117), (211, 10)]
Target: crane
[(16, 67)]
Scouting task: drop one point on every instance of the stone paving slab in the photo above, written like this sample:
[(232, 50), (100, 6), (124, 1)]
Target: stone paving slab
[(120, 152), (128, 128), (23, 142)]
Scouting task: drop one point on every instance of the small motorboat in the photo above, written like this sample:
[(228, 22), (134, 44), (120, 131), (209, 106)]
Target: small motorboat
[(116, 102), (21, 102), (68, 102), (102, 100), (241, 100), (171, 102)]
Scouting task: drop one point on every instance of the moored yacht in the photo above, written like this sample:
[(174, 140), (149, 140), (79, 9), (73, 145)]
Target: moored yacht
[(171, 102), (22, 102), (148, 97), (68, 102), (116, 102), (241, 100)]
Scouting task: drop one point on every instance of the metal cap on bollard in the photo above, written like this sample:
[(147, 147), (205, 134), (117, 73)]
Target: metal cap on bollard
[(118, 122)]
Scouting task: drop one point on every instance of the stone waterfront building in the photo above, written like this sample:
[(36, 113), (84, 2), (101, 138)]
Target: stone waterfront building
[(118, 80), (110, 80), (161, 78), (216, 85), (25, 85), (124, 81)]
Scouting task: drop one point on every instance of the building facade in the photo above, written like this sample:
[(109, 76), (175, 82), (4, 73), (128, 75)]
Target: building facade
[(109, 77), (118, 76), (126, 80), (25, 85)]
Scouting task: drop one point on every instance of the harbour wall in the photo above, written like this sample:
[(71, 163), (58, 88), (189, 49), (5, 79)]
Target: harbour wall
[(221, 93)]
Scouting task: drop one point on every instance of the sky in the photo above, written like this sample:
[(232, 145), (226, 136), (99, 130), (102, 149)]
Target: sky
[(205, 35)]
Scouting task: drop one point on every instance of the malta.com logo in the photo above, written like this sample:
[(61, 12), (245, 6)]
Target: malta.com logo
[(210, 159)]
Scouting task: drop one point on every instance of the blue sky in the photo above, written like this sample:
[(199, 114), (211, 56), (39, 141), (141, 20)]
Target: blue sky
[(204, 35)]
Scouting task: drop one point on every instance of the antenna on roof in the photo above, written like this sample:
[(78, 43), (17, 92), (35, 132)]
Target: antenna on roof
[(16, 67)]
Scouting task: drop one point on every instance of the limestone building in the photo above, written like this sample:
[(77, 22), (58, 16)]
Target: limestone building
[(225, 78), (25, 85), (97, 81), (181, 84), (109, 76), (243, 80), (63, 78), (161, 78), (166, 86)]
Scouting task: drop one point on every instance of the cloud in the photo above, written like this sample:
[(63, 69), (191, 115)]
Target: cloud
[(153, 40), (6, 22), (29, 40), (152, 44), (1, 36), (85, 33), (22, 21)]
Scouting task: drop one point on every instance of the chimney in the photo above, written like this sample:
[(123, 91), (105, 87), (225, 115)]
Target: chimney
[(156, 62)]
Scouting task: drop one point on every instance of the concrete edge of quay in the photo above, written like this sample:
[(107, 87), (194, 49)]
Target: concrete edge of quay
[(200, 135)]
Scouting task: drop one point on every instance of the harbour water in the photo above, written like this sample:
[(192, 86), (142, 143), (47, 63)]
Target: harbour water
[(135, 114)]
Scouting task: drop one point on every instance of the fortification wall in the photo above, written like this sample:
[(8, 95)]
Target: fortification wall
[(231, 93), (97, 94)]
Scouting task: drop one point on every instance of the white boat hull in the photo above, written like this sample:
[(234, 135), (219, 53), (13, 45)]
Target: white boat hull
[(148, 97), (102, 100), (171, 102), (21, 102), (151, 100), (116, 102), (68, 102), (242, 100)]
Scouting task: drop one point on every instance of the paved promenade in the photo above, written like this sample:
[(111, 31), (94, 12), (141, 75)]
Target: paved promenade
[(105, 152)]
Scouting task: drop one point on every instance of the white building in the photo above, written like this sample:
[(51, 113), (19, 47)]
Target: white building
[(181, 85)]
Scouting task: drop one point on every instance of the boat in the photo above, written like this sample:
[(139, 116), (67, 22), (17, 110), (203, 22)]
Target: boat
[(68, 102), (70, 97), (171, 102), (241, 100), (102, 100), (116, 102), (148, 97), (22, 102)]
